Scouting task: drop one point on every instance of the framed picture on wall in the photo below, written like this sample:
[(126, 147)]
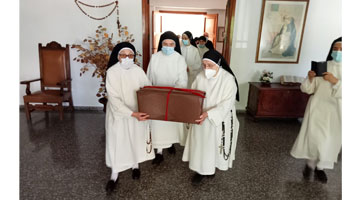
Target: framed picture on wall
[(221, 34), (281, 31)]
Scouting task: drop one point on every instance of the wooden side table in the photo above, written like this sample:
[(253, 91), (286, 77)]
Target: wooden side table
[(275, 101)]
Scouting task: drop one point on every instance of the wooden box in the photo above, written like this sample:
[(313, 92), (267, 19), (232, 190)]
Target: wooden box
[(171, 104)]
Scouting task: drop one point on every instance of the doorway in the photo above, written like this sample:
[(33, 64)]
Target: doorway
[(196, 22), (212, 16)]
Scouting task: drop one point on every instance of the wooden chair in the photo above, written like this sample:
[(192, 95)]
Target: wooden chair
[(55, 80)]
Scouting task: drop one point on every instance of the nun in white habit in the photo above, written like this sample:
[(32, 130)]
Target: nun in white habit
[(192, 57), (128, 140), (211, 143), (167, 68), (319, 140)]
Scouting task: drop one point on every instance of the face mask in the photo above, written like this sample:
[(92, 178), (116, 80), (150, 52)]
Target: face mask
[(126, 63), (201, 46), (337, 56), (209, 73), (167, 50), (185, 42)]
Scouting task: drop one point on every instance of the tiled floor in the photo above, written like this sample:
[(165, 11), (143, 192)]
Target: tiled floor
[(66, 160)]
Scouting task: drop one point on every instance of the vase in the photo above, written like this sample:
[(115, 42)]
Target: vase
[(103, 101), (266, 84)]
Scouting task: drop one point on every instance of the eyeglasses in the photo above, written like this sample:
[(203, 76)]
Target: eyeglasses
[(131, 56)]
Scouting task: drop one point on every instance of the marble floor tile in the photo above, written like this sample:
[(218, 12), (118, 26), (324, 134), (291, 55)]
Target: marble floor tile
[(66, 160)]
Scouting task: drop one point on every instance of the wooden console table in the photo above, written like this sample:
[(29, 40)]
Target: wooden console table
[(276, 101)]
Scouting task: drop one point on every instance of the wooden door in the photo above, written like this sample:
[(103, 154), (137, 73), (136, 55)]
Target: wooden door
[(210, 26), (229, 29)]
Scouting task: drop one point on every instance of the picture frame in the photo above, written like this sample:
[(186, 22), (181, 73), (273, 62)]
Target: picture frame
[(221, 34), (281, 31)]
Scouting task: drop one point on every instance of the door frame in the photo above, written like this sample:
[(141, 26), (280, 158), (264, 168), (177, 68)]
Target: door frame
[(168, 12), (145, 33), (229, 29)]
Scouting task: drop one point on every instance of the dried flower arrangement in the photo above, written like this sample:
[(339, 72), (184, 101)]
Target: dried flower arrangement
[(96, 51)]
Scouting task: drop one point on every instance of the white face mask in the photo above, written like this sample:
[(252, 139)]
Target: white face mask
[(209, 73), (126, 63)]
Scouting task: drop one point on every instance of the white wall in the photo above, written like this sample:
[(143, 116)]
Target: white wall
[(43, 21), (323, 25)]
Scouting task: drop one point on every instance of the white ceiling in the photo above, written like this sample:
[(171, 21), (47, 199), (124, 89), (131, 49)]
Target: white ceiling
[(194, 4)]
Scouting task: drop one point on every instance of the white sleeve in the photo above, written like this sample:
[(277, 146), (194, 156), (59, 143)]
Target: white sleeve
[(307, 86), (149, 70), (336, 90), (217, 114), (114, 97), (182, 80), (146, 81), (197, 63), (194, 84)]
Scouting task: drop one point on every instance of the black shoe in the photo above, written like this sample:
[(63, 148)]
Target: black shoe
[(136, 173), (307, 172), (158, 159), (320, 176), (197, 178), (110, 186), (172, 149)]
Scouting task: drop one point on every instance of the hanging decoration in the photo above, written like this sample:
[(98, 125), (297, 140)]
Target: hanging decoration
[(77, 2), (95, 50)]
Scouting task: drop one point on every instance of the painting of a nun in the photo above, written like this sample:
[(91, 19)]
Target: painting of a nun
[(281, 29)]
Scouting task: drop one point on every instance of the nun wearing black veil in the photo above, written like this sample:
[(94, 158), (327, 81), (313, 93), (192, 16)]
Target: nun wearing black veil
[(127, 130), (167, 68), (319, 139), (203, 46), (211, 143), (192, 57)]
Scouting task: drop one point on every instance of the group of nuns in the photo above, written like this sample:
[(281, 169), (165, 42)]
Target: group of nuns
[(210, 142)]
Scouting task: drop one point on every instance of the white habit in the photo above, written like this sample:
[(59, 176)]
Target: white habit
[(203, 143), (126, 137), (193, 61), (167, 70), (320, 134), (202, 51)]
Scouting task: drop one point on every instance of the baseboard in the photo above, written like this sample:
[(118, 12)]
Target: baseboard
[(95, 108), (99, 108), (240, 111)]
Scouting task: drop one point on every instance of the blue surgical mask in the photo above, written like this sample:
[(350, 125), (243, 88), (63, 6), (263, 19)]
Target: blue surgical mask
[(337, 56), (201, 46), (185, 42), (168, 50)]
